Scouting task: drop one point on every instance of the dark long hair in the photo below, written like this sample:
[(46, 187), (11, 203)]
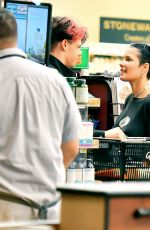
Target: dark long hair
[(144, 54)]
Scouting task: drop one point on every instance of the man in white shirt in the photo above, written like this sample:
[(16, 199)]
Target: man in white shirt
[(39, 128)]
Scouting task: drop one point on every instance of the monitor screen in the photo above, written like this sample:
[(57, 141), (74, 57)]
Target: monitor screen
[(34, 23)]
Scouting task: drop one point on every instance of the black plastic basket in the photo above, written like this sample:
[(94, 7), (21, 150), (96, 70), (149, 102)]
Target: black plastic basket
[(122, 160)]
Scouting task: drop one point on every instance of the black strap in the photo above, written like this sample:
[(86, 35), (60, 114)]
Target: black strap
[(42, 209), (12, 55)]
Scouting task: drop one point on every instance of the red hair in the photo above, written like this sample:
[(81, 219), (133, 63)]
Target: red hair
[(66, 28), (76, 32)]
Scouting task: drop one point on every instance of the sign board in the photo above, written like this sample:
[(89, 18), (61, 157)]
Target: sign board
[(120, 30), (84, 61)]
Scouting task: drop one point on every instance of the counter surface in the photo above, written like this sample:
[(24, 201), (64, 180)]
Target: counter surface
[(109, 188)]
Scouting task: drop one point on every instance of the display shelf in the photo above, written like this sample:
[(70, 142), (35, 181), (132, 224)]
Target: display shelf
[(100, 87), (94, 102), (107, 49), (85, 135), (105, 56)]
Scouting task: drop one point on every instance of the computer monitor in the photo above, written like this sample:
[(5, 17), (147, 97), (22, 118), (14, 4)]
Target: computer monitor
[(34, 28)]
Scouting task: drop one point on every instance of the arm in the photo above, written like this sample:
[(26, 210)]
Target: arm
[(70, 150), (71, 129), (115, 133)]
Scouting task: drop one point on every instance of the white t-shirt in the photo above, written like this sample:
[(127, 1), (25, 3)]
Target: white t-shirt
[(38, 113)]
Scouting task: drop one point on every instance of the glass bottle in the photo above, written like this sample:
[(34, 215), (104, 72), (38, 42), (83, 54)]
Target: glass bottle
[(71, 82), (81, 91)]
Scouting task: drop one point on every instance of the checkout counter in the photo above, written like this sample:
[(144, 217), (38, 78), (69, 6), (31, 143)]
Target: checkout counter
[(106, 206), (97, 206)]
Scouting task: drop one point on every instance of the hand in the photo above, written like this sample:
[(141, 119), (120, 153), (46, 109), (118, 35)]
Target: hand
[(115, 133)]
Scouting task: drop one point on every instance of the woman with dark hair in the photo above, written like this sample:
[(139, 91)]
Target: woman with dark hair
[(134, 120), (66, 39)]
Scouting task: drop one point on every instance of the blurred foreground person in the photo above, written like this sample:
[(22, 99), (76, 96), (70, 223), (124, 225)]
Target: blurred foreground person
[(39, 128)]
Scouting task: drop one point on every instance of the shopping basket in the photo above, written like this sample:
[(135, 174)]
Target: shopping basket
[(122, 160)]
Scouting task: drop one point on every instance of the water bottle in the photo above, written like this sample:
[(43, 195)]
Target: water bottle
[(71, 173), (79, 170), (89, 172)]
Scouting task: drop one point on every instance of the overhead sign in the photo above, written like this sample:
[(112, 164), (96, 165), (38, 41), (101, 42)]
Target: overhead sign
[(120, 30)]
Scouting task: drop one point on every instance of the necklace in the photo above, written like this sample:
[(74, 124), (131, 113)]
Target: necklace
[(137, 95)]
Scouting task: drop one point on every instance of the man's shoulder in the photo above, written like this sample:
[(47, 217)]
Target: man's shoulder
[(51, 74), (36, 67)]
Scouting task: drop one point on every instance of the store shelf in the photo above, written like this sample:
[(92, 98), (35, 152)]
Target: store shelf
[(94, 102), (105, 56), (106, 49)]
